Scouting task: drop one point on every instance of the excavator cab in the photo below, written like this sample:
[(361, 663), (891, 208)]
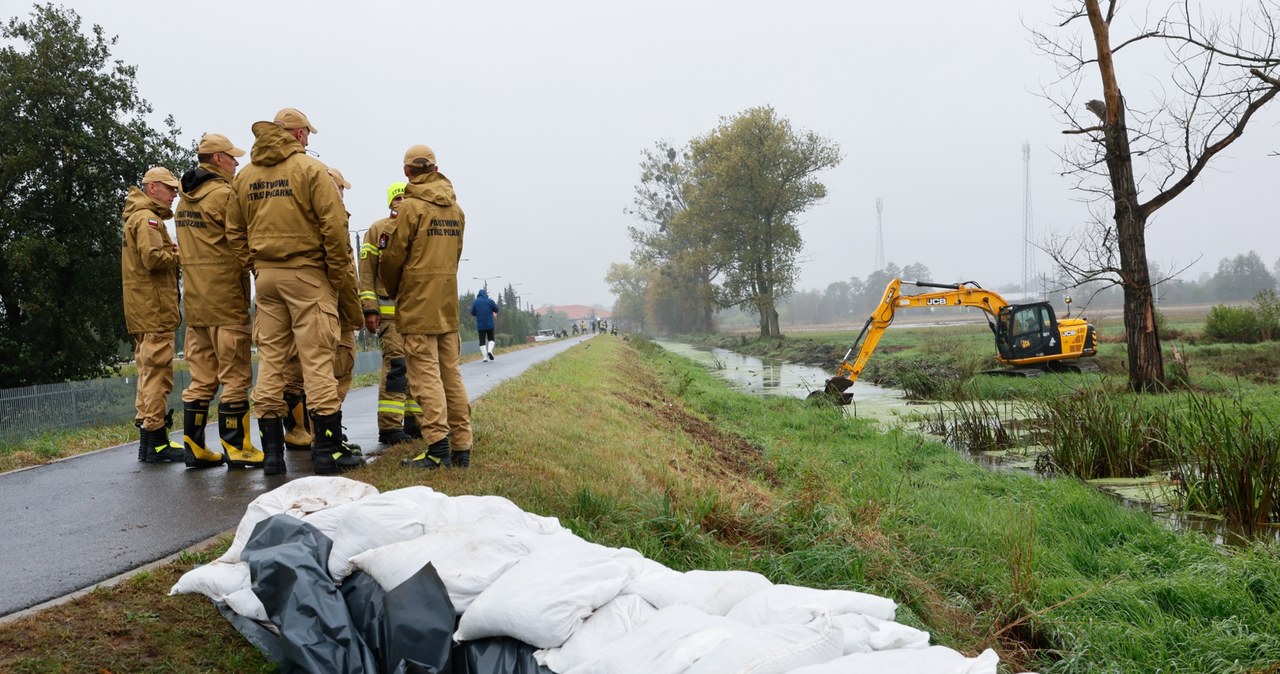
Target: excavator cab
[(1027, 331)]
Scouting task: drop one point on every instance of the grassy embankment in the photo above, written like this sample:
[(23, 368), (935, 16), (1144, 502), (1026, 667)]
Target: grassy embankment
[(1211, 445), (632, 447)]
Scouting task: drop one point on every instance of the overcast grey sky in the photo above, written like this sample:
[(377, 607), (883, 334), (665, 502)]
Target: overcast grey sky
[(538, 112)]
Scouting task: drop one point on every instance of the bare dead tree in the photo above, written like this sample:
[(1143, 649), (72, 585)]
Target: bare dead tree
[(1138, 154)]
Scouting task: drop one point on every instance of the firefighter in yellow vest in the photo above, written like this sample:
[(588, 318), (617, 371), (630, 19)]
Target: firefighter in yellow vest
[(419, 267), (217, 312), (380, 320), (287, 224), (149, 271)]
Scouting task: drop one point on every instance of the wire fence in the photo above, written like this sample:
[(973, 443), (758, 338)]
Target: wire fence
[(30, 410)]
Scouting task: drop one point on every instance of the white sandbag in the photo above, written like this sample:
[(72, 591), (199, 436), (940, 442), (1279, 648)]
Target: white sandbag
[(608, 624), (383, 519), (669, 642), (863, 634), (932, 660), (247, 604), (545, 597), (296, 498), (713, 592), (215, 580), (774, 649), (795, 605), (468, 558), (471, 508)]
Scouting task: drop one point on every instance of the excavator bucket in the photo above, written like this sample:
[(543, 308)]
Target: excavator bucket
[(836, 388)]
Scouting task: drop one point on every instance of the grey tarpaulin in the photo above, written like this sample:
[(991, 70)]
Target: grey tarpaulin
[(358, 628)]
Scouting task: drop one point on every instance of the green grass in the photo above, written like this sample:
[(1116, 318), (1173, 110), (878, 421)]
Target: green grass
[(632, 446)]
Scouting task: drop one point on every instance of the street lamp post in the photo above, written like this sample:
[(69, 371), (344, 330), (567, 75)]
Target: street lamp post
[(485, 279)]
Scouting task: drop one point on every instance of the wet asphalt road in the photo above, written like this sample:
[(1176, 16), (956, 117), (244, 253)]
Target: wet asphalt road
[(77, 522)]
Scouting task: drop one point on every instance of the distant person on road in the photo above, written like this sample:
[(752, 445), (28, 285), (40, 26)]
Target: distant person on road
[(288, 225), (149, 271), (575, 329), (420, 269), (380, 319), (217, 312), (485, 310)]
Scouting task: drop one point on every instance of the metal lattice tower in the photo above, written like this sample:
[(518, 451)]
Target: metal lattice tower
[(879, 233), (1028, 224)]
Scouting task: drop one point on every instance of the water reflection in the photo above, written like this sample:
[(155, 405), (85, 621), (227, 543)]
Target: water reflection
[(770, 376)]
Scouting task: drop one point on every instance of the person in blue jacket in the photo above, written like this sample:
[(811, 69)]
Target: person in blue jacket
[(485, 310)]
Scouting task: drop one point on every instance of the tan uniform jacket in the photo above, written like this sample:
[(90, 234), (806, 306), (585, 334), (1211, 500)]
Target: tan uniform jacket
[(216, 285), (148, 266), (419, 266), (374, 297), (285, 211)]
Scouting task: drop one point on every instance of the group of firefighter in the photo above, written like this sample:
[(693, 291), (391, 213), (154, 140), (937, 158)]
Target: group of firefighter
[(281, 221)]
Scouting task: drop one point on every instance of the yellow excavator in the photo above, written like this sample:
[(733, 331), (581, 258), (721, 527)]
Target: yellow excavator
[(1029, 337)]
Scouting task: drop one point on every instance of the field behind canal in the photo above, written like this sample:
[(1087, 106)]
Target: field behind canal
[(631, 446)]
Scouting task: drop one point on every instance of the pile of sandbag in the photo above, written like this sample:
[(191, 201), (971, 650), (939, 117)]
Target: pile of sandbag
[(571, 606)]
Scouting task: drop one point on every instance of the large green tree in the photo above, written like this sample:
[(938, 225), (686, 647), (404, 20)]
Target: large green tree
[(750, 179), (73, 137), (672, 243)]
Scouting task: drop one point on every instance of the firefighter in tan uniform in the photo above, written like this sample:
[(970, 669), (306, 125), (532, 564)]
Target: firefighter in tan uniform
[(217, 312), (297, 419), (419, 267), (380, 319), (287, 224), (149, 271), (344, 360)]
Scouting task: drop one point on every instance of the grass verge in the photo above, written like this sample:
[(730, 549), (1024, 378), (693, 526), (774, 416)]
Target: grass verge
[(631, 446)]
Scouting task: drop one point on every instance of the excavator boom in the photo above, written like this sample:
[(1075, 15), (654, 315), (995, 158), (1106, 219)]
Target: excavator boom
[(1029, 334)]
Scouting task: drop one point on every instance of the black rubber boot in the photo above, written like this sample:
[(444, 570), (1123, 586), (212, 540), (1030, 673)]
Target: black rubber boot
[(297, 423), (160, 449), (394, 436), (411, 428), (194, 453), (436, 456), (460, 459), (142, 441), (272, 432), (328, 453)]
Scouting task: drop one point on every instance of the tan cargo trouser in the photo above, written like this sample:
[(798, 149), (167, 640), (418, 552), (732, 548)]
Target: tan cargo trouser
[(344, 361), (435, 382), (394, 380), (219, 354), (153, 354), (297, 309)]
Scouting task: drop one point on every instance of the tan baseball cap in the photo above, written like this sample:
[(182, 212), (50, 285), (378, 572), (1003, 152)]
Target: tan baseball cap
[(160, 174), (292, 118), (337, 178), (216, 142), (419, 155)]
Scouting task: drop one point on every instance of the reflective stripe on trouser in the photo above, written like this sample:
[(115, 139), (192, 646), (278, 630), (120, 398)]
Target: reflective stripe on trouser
[(218, 354), (153, 354), (394, 380), (344, 362), (296, 309), (435, 382)]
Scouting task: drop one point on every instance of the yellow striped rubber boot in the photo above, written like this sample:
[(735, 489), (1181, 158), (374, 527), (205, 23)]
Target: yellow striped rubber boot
[(237, 444), (297, 423), (195, 415)]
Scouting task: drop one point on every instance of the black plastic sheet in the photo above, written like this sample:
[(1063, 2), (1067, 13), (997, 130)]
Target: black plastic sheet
[(357, 628)]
